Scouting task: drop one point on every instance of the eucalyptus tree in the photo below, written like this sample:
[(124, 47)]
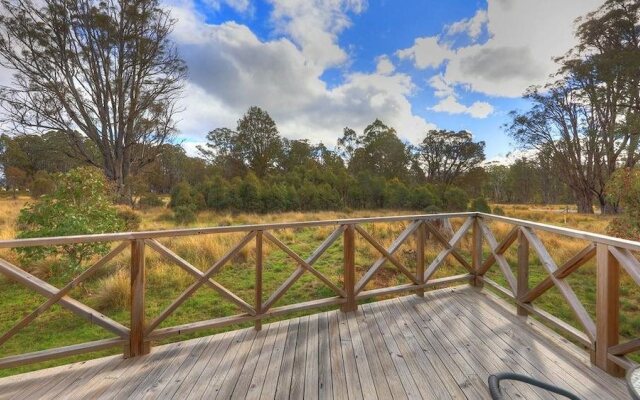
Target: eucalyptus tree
[(104, 73), (255, 144), (447, 155), (588, 121)]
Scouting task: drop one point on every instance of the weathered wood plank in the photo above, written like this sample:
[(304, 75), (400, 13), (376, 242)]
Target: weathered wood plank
[(442, 345), (554, 351), (362, 363), (377, 370), (272, 380), (283, 387), (258, 377), (299, 360), (338, 377), (248, 368), (311, 362), (354, 390), (325, 386)]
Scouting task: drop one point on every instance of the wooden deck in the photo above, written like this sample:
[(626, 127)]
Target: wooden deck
[(443, 346)]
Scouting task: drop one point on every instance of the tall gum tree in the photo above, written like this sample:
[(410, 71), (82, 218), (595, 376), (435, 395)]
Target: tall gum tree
[(105, 73)]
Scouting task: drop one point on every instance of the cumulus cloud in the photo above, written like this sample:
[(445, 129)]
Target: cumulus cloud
[(523, 38), (314, 26), (449, 102), (384, 65), (451, 105), (242, 6), (230, 69), (426, 52), (472, 27)]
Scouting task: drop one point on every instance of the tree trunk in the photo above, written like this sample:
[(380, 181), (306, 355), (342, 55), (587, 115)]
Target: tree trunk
[(584, 201)]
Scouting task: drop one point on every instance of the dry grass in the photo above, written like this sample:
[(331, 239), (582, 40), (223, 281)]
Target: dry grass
[(113, 292)]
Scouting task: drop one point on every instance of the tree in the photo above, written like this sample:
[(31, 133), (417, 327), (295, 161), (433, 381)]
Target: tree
[(605, 68), (560, 123), (255, 144), (379, 151), (448, 154), (79, 205), (347, 144), (102, 71), (588, 122)]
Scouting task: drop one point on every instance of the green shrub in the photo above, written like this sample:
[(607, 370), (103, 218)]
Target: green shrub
[(130, 219), (79, 205), (184, 214), (498, 211), (480, 205), (454, 199), (184, 194)]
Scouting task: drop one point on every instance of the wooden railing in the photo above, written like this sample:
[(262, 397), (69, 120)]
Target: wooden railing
[(600, 336)]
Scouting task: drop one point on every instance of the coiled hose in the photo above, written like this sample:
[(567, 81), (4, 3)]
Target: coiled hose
[(496, 393)]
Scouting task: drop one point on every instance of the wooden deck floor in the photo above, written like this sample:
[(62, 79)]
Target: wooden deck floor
[(443, 346)]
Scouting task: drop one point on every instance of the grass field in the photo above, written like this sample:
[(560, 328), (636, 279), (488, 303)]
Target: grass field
[(108, 291)]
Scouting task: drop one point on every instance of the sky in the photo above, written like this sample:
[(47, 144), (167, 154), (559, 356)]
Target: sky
[(318, 66)]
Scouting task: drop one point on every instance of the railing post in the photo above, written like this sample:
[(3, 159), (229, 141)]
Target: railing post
[(137, 344), (476, 252), (607, 308), (522, 286), (258, 323), (421, 237), (349, 266)]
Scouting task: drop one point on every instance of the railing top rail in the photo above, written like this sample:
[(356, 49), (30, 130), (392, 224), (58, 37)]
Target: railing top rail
[(154, 234), (112, 237), (574, 233)]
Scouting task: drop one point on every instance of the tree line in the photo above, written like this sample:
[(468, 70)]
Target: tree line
[(97, 83)]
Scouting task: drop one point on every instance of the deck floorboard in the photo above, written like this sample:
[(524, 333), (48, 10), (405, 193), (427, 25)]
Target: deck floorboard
[(441, 346)]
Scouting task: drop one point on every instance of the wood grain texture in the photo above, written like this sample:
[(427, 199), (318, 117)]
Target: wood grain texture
[(441, 346)]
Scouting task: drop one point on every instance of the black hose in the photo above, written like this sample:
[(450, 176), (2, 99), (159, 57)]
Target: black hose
[(496, 393)]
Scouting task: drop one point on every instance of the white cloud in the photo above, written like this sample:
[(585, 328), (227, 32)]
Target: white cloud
[(426, 52), (384, 65), (524, 37), (441, 87), (242, 6), (472, 27), (450, 105), (230, 69), (314, 25)]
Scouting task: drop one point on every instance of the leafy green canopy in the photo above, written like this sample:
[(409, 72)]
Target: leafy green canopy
[(80, 204)]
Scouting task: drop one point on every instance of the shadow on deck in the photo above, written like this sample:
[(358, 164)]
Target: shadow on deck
[(442, 346)]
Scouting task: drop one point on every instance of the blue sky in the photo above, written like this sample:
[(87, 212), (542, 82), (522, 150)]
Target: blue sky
[(320, 65)]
